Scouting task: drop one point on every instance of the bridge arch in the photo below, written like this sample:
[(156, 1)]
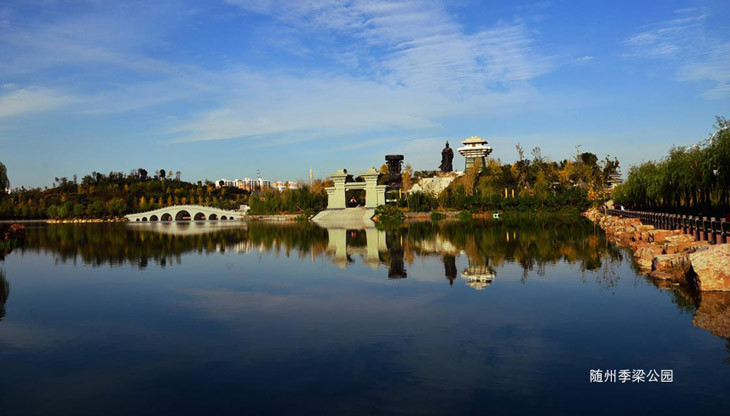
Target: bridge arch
[(212, 217), (144, 219), (182, 215), (199, 217), (166, 217), (154, 218)]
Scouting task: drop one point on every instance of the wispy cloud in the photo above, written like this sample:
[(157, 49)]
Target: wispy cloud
[(687, 43), (416, 66), (417, 43), (386, 66), (19, 102)]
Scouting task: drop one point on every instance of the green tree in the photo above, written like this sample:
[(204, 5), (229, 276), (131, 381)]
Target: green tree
[(4, 181)]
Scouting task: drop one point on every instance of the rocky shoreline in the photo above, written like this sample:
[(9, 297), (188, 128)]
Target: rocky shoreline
[(669, 255), (86, 220)]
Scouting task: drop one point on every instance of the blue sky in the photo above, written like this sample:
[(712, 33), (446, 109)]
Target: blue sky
[(225, 88)]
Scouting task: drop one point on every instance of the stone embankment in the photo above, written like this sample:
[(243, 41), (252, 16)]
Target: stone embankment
[(273, 217), (669, 254), (86, 220)]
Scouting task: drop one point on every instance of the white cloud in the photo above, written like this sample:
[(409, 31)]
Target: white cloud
[(583, 59), (267, 106), (409, 66), (688, 43), (19, 102), (417, 66), (418, 43)]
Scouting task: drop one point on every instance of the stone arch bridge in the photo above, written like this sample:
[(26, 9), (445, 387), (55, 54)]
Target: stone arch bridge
[(186, 213)]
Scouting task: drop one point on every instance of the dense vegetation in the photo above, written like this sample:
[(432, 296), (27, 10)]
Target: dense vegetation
[(693, 180), (306, 200), (538, 185), (116, 194)]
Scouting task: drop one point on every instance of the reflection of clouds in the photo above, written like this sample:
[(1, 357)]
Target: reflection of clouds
[(420, 329)]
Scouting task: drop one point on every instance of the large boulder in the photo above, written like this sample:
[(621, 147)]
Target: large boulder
[(672, 267), (645, 253), (711, 268), (713, 314), (686, 247), (658, 236), (680, 238)]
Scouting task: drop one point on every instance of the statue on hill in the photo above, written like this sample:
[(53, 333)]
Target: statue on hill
[(447, 156)]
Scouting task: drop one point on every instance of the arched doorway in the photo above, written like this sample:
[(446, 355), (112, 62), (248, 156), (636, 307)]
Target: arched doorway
[(182, 216), (354, 198), (166, 217), (199, 217), (154, 218), (212, 217)]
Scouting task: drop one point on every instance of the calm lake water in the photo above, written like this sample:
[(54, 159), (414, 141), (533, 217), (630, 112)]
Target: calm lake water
[(446, 318)]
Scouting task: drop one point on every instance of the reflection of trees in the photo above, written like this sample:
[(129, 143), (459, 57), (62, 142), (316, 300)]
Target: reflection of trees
[(4, 293), (533, 245), (116, 244)]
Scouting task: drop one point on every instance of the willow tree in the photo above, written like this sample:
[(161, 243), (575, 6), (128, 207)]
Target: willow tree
[(693, 179)]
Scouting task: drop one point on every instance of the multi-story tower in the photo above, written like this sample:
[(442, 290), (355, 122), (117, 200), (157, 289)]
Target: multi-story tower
[(475, 148)]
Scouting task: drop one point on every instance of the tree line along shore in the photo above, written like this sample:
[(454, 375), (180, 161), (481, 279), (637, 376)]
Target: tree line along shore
[(534, 184), (692, 180)]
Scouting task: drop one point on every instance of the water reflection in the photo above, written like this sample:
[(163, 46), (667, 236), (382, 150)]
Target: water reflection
[(486, 248), (713, 313), (294, 318)]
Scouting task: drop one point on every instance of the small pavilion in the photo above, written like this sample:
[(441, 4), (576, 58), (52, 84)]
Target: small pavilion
[(475, 149)]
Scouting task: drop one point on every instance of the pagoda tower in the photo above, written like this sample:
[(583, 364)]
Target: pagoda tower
[(475, 148)]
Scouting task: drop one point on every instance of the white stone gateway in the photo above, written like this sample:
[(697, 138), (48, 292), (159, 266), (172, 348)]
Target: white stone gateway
[(337, 211)]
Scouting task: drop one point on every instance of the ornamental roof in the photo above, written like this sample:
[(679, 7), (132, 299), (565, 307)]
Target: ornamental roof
[(474, 140)]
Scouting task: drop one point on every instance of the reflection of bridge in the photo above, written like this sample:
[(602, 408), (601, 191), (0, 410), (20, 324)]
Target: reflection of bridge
[(187, 228), (186, 213)]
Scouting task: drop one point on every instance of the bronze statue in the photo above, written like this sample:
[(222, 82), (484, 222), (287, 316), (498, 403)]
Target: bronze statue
[(447, 155)]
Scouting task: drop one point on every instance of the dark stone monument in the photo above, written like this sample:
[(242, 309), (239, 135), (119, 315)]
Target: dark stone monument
[(447, 156), (393, 179)]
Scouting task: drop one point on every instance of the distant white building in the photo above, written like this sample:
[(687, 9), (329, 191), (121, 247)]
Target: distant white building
[(258, 184)]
